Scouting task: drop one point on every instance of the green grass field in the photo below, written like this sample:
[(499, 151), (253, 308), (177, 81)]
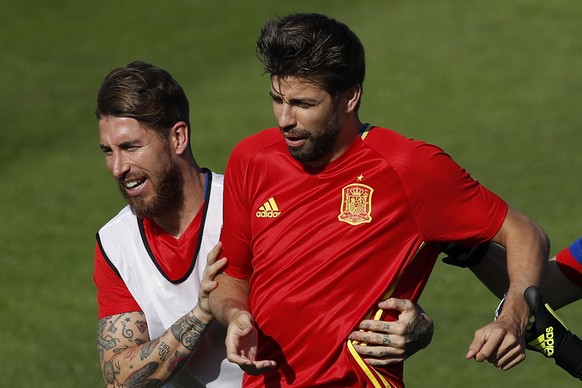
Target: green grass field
[(498, 84)]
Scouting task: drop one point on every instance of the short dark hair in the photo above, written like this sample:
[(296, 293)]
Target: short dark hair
[(314, 47), (145, 93)]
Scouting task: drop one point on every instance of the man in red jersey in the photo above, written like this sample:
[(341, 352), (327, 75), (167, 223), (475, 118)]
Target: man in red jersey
[(155, 326), (326, 215)]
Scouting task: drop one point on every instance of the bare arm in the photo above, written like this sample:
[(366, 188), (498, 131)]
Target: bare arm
[(129, 358), (501, 342), (229, 304), (557, 290), (229, 298)]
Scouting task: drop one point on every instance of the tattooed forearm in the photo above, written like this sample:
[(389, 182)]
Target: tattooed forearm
[(147, 349), (188, 331), (141, 377), (129, 358)]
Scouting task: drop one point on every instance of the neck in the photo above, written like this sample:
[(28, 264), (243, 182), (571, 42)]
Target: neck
[(176, 220), (349, 131)]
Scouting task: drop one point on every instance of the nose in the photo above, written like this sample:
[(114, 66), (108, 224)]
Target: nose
[(286, 116), (118, 165)]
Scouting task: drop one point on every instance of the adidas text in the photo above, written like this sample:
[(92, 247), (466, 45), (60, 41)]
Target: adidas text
[(548, 347), (267, 214)]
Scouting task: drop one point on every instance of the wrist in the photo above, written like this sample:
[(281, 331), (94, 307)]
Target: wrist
[(202, 315), (239, 314), (514, 308)]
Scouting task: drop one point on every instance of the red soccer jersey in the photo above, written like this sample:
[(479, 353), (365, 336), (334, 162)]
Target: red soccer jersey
[(320, 250)]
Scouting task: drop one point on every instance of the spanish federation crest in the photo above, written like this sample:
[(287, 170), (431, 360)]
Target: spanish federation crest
[(356, 205)]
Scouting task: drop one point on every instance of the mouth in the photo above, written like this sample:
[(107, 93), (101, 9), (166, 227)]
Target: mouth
[(293, 140), (133, 187)]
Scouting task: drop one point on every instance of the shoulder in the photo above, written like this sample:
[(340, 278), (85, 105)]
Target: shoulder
[(256, 151), (401, 151), (122, 218), (258, 142), (217, 179), (121, 228)]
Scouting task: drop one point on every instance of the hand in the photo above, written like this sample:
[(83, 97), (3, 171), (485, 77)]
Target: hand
[(207, 283), (502, 342), (241, 345), (385, 343)]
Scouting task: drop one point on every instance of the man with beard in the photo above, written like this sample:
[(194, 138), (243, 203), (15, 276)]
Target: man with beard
[(326, 215), (150, 258)]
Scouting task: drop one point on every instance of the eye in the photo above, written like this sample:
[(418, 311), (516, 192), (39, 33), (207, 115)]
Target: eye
[(276, 99), (305, 105)]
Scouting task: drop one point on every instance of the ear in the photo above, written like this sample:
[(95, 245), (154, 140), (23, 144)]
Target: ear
[(179, 139), (352, 96)]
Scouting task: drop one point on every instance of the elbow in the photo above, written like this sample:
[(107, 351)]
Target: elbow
[(543, 239)]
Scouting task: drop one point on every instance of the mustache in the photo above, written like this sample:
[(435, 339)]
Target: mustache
[(295, 132)]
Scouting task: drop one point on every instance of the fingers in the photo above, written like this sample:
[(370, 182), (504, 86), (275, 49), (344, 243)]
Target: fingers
[(392, 342), (380, 355), (241, 346), (514, 356), (380, 339), (402, 305), (214, 254), (498, 346), (213, 267), (258, 367), (382, 343), (393, 327)]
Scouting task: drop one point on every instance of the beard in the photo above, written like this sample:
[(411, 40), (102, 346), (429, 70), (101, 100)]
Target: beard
[(318, 146), (168, 194)]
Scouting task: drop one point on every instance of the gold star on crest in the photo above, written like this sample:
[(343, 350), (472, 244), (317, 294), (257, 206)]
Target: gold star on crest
[(360, 177)]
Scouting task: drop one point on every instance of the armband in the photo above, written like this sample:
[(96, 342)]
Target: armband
[(464, 257)]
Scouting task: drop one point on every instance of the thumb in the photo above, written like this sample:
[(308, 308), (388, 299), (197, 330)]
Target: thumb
[(400, 305)]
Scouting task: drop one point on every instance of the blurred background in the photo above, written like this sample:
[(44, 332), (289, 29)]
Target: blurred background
[(497, 84)]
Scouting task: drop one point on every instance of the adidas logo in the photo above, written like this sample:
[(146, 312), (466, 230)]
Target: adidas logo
[(545, 342), (268, 210)]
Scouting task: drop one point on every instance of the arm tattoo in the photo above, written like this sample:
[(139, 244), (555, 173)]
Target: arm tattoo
[(163, 351), (106, 343), (109, 372), (188, 331), (147, 349), (141, 325), (127, 333), (127, 353), (178, 360), (140, 378)]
